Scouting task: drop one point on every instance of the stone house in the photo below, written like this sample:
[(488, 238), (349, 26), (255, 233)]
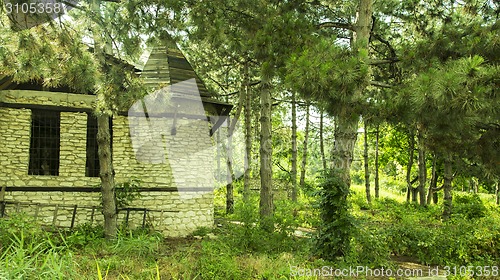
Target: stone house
[(48, 150)]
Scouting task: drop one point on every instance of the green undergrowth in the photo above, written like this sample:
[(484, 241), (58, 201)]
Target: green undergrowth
[(383, 232), (230, 251), (400, 229)]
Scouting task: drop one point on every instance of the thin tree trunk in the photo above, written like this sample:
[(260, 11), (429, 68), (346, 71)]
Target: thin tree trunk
[(414, 194), (293, 172), (377, 186), (321, 139), (498, 193), (422, 168), (230, 170), (266, 151), (106, 172), (435, 197), (448, 177), (107, 176), (474, 184), (248, 133), (367, 170), (433, 183), (219, 177), (411, 150), (304, 149)]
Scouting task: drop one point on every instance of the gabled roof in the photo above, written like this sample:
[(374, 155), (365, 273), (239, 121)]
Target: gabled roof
[(167, 65)]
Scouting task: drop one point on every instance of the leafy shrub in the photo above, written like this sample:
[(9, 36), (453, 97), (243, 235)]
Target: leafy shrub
[(127, 192), (201, 231), (369, 248), (334, 235), (81, 236), (246, 236), (460, 241), (469, 205), (358, 199)]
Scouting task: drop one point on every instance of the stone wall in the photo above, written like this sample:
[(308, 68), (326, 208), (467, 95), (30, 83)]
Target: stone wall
[(178, 191)]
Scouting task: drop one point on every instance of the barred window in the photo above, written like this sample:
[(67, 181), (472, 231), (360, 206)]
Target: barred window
[(92, 163), (44, 143)]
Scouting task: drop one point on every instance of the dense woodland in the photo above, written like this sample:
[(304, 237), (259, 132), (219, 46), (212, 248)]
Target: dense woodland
[(363, 133)]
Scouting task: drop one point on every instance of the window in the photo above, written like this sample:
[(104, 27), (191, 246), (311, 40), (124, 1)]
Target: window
[(92, 163), (44, 143)]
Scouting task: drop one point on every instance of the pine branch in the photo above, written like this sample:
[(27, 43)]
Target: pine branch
[(380, 84), (383, 61), (385, 42), (340, 25), (281, 167)]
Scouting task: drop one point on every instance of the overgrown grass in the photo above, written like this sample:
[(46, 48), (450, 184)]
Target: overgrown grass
[(471, 237), (387, 229)]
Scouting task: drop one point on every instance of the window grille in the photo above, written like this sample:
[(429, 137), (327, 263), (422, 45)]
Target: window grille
[(44, 143), (92, 163)]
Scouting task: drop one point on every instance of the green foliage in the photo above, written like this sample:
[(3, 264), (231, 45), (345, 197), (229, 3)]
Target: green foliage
[(27, 252), (137, 243), (201, 231), (217, 262), (334, 234), (469, 206), (246, 235), (408, 230), (336, 73), (16, 225), (81, 237), (126, 192), (369, 247)]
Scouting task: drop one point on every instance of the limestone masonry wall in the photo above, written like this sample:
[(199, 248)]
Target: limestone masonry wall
[(186, 167)]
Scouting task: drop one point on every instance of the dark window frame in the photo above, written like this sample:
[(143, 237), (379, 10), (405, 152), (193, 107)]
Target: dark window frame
[(92, 157), (45, 143)]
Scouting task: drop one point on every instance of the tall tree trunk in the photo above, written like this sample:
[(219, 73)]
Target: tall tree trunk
[(414, 194), (367, 170), (293, 172), (346, 124), (304, 149), (345, 138), (377, 186), (335, 233), (433, 183), (106, 172), (230, 171), (248, 133), (107, 176), (498, 192), (448, 177), (422, 168), (266, 151), (474, 185), (321, 139), (219, 177), (411, 150)]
